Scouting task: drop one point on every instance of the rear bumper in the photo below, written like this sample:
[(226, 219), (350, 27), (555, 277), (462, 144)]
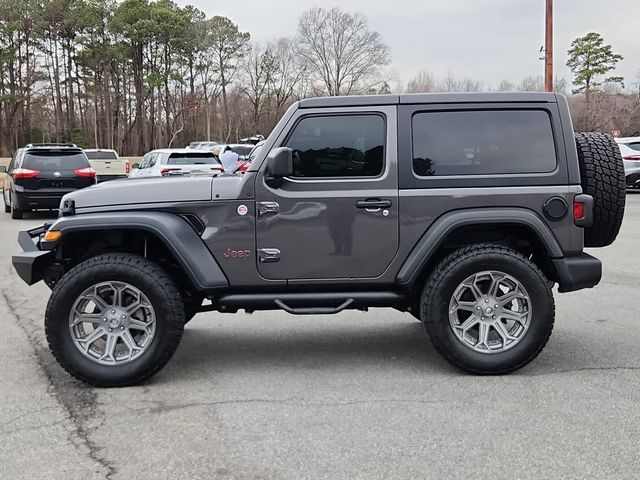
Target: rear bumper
[(26, 200), (576, 273), (32, 263)]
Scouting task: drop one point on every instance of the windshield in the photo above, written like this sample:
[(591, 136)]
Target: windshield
[(196, 158), (55, 161), (102, 155)]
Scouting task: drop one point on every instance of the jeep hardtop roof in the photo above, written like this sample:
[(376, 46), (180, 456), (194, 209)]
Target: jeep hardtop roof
[(416, 98)]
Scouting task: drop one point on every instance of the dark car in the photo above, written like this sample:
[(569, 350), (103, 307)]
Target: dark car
[(39, 175)]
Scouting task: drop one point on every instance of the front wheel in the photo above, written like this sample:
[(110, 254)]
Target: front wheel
[(488, 309), (114, 320)]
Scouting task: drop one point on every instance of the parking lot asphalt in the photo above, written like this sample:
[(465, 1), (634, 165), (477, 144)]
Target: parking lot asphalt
[(350, 396)]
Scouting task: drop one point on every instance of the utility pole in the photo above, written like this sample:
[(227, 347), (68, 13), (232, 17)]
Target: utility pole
[(548, 48)]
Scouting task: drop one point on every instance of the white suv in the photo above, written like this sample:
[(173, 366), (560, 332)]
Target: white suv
[(177, 161), (630, 150)]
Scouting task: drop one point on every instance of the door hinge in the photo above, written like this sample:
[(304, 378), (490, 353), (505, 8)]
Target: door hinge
[(268, 255), (268, 208)]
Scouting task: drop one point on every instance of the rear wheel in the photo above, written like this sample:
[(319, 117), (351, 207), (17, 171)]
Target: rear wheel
[(114, 320), (488, 309), (16, 213)]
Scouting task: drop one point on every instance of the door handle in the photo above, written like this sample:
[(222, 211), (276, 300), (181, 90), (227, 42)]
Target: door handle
[(373, 203)]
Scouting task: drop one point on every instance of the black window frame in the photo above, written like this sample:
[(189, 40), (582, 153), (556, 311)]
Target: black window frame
[(478, 110), (408, 179), (343, 114)]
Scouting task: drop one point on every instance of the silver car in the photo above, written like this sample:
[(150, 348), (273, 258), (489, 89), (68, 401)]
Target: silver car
[(166, 162), (630, 150)]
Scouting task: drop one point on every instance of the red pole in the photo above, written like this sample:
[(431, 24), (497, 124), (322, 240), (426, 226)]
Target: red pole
[(548, 48)]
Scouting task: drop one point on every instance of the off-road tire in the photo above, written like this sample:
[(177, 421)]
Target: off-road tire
[(145, 275), (602, 177), (453, 270)]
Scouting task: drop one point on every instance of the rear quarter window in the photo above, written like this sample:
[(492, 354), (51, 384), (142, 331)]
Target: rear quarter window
[(55, 161), (482, 142), (192, 159), (101, 155)]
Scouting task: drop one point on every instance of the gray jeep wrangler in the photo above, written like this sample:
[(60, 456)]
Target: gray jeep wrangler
[(462, 209)]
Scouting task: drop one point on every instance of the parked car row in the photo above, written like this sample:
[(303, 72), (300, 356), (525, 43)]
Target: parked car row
[(40, 174)]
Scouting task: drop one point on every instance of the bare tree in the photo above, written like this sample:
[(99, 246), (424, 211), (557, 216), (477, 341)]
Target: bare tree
[(505, 86), (258, 68), (289, 74), (340, 50), (535, 83), (452, 84), (424, 82)]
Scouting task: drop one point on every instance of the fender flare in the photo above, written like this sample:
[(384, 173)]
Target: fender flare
[(437, 233), (172, 230)]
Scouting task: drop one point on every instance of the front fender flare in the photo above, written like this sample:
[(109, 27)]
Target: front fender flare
[(176, 234), (437, 233)]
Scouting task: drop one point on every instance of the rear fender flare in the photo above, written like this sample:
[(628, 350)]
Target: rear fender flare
[(438, 232)]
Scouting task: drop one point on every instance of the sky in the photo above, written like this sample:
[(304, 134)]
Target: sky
[(486, 40)]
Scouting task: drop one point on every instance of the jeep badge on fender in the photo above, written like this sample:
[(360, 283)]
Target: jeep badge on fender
[(228, 253)]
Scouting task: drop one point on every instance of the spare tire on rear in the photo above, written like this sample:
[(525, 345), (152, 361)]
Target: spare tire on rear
[(602, 177)]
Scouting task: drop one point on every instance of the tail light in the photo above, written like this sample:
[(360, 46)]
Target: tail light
[(88, 172), (578, 210), (167, 171), (127, 167), (633, 158), (24, 173)]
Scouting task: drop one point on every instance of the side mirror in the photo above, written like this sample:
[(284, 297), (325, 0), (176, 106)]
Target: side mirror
[(3, 169), (135, 165), (279, 165), (280, 162)]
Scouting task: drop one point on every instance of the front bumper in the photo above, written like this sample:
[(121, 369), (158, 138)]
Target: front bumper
[(32, 263), (576, 273)]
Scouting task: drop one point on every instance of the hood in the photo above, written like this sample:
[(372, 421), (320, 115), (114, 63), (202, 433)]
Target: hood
[(143, 191)]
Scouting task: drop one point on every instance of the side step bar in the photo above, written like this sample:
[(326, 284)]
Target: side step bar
[(307, 303)]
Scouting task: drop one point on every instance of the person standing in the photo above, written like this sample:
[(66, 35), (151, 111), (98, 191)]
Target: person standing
[(229, 160)]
